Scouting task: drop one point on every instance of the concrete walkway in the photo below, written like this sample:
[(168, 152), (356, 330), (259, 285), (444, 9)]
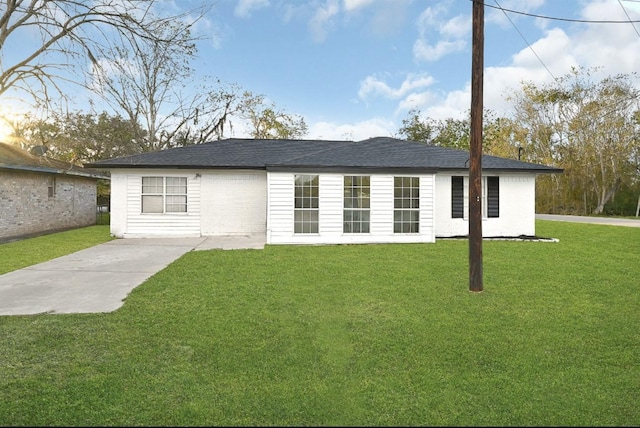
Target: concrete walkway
[(612, 221), (98, 279)]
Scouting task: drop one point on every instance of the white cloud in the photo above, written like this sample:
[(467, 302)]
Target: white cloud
[(372, 86), (496, 16), (351, 5), (244, 7), (437, 36), (552, 52), (322, 19), (455, 105), (376, 127), (614, 47), (422, 51), (416, 100), (457, 27)]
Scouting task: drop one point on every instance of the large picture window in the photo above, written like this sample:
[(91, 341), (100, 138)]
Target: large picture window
[(306, 204), (406, 205), (460, 197), (162, 195), (357, 198)]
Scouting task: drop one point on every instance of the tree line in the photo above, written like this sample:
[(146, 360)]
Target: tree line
[(590, 128), (136, 59), (131, 57)]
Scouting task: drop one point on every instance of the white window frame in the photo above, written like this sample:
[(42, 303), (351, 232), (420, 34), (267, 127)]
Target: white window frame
[(401, 198), (306, 204), (169, 193), (364, 205)]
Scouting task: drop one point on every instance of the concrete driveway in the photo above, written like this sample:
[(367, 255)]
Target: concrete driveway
[(594, 220), (98, 279)]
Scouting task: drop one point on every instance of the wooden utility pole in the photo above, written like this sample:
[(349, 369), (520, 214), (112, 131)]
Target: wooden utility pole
[(475, 152)]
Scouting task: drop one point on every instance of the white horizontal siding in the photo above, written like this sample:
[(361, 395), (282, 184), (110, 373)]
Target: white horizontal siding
[(140, 224), (427, 206), (280, 188), (118, 215), (331, 204), (281, 208), (381, 214)]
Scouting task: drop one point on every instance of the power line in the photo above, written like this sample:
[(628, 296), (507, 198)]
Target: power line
[(525, 40), (625, 12), (554, 18)]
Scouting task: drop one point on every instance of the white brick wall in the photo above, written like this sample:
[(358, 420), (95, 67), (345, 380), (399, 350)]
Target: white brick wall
[(234, 202), (517, 207)]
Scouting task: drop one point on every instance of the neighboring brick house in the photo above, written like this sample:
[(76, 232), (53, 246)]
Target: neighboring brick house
[(39, 194)]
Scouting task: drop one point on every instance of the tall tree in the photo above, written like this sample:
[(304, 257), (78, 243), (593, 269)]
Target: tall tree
[(153, 84), (415, 128), (69, 31), (268, 122), (81, 137), (144, 79), (586, 127), (500, 135)]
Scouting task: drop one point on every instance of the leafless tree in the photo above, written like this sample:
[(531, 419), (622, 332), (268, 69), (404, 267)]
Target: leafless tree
[(50, 40)]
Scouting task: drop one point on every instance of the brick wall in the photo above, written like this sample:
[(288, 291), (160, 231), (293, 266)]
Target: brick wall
[(26, 205)]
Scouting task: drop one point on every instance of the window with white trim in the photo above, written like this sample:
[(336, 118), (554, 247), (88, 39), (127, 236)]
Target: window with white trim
[(460, 197), (357, 201), (406, 204), (162, 195), (307, 202)]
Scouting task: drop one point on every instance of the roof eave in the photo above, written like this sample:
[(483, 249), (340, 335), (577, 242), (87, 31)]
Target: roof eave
[(177, 166), (58, 171), (347, 168)]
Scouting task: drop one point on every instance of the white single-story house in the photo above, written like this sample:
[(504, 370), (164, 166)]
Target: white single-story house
[(379, 190)]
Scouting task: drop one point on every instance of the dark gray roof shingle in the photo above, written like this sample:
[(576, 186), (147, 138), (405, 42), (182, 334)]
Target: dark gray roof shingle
[(14, 158), (373, 153)]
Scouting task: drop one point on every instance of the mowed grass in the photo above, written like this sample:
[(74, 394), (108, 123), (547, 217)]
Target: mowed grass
[(26, 252), (352, 335)]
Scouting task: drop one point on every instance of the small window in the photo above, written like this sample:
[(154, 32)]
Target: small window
[(357, 200), (306, 202), (457, 197), (460, 197), (493, 197), (406, 204), (162, 195), (51, 189)]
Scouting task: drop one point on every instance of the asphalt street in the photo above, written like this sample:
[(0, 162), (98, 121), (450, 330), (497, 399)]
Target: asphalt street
[(593, 220)]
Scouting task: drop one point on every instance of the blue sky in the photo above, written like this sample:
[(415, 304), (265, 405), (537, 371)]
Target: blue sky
[(354, 68)]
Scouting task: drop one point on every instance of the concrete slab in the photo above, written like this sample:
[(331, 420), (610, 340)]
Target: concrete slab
[(98, 279), (235, 242)]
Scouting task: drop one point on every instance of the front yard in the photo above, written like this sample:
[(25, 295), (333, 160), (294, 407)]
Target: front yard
[(348, 335)]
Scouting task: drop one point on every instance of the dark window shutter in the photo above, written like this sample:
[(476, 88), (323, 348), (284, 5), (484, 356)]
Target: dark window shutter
[(493, 197), (457, 197)]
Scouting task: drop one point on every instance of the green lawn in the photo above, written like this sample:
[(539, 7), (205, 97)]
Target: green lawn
[(349, 335), (26, 252)]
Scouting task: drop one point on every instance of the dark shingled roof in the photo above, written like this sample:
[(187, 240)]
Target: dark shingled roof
[(374, 153), (14, 158)]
